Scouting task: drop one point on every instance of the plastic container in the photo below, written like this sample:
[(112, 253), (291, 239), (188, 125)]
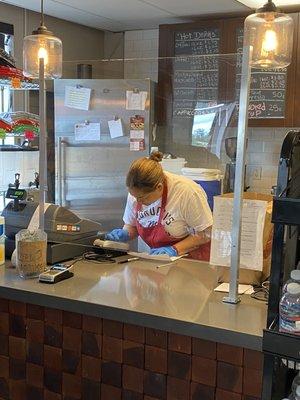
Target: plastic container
[(173, 165), (31, 253), (294, 277), (2, 249), (289, 310), (2, 240), (208, 179), (2, 225)]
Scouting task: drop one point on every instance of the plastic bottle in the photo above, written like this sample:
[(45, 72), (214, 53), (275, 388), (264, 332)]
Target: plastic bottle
[(2, 249), (2, 240), (2, 225), (289, 310), (294, 277)]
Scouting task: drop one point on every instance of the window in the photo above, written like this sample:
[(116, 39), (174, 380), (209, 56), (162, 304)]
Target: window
[(203, 124)]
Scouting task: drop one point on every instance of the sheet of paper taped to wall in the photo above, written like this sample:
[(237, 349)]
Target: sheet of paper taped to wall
[(87, 131), (78, 97), (253, 217)]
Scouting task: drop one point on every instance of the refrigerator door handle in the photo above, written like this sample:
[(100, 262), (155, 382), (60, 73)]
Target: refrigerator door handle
[(61, 171)]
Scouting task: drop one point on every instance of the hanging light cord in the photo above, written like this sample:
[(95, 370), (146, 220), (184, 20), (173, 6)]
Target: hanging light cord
[(42, 12), (268, 7)]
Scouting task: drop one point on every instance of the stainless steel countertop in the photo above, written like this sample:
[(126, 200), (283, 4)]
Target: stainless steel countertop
[(178, 299)]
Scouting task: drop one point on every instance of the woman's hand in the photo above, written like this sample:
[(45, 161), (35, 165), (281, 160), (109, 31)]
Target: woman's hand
[(118, 235), (169, 250)]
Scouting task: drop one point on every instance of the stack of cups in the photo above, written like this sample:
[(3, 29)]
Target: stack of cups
[(2, 240)]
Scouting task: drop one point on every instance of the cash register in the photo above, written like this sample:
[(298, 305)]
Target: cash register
[(68, 235)]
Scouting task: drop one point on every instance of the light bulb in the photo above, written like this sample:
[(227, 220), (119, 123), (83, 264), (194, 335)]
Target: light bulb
[(270, 42), (270, 33), (43, 53)]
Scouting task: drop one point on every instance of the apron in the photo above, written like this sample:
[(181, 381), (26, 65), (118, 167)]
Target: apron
[(156, 236)]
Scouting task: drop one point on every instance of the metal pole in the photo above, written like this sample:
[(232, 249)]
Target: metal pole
[(239, 177), (25, 92), (63, 172), (42, 144), (2, 99), (58, 198)]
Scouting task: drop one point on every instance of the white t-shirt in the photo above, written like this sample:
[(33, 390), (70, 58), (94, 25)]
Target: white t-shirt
[(186, 211)]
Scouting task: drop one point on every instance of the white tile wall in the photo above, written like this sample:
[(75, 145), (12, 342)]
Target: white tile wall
[(264, 144), (141, 52), (25, 163)]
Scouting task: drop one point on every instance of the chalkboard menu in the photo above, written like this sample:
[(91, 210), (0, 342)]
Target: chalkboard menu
[(267, 88), (195, 71)]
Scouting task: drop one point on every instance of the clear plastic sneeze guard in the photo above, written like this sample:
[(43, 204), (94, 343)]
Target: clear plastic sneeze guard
[(185, 106)]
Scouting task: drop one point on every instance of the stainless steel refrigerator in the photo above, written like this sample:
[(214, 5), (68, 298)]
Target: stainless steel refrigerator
[(90, 175)]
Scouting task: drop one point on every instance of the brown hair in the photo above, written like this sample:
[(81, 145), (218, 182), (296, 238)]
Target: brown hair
[(146, 173)]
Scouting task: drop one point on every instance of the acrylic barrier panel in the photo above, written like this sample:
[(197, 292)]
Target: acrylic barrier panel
[(101, 127), (197, 111), (186, 106), (194, 103)]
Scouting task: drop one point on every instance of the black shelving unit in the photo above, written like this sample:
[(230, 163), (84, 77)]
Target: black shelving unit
[(281, 350)]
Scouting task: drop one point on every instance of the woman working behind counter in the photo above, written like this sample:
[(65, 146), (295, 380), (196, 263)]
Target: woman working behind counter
[(169, 212)]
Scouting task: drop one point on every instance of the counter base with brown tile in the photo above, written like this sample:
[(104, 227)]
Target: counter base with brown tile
[(49, 354)]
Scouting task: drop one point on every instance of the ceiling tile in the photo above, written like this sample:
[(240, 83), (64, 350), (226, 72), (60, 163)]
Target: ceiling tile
[(260, 3), (198, 7), (117, 9), (59, 10), (154, 23), (119, 15)]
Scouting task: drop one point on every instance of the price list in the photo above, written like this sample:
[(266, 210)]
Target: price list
[(195, 71)]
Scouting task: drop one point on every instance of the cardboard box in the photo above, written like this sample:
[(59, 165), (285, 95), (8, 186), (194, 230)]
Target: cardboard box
[(257, 236)]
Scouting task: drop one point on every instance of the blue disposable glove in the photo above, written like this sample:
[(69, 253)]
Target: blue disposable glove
[(169, 250), (118, 235)]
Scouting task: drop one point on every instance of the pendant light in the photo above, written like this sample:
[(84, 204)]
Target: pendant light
[(42, 59), (42, 44), (269, 33)]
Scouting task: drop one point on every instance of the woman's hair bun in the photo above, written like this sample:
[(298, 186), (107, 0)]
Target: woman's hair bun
[(156, 156)]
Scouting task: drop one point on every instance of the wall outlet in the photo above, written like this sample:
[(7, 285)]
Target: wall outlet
[(255, 172)]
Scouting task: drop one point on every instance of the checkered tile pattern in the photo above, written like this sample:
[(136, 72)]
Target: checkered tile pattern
[(48, 354)]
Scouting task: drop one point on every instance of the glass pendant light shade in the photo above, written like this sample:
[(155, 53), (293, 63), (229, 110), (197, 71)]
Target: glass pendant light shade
[(269, 33), (46, 46)]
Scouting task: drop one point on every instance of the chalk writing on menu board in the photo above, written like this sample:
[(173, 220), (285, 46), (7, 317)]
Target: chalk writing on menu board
[(196, 72), (267, 88)]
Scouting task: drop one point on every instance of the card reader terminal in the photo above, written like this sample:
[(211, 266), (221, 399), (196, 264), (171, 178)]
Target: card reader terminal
[(56, 273)]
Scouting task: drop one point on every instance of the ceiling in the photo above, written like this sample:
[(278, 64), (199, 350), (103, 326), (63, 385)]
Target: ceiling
[(259, 3), (120, 15)]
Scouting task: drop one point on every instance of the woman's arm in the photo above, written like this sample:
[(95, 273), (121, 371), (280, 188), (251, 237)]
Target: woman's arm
[(192, 242), (131, 230)]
